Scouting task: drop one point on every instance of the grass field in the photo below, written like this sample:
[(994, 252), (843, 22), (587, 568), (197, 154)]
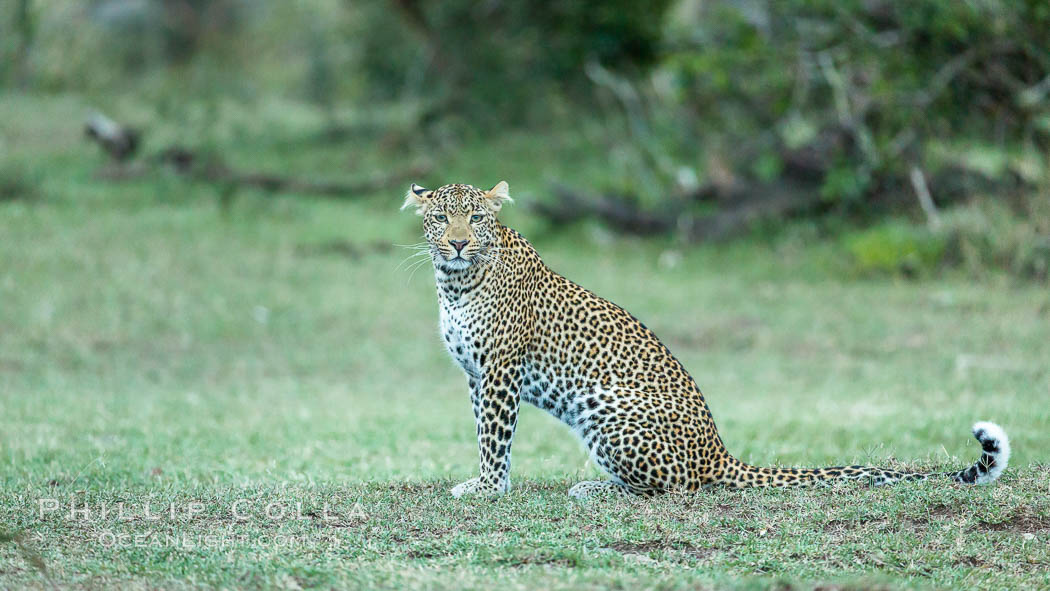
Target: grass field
[(156, 348)]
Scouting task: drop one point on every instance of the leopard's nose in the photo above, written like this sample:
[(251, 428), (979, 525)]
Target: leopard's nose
[(459, 245)]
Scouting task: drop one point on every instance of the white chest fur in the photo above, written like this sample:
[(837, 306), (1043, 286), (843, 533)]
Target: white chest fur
[(455, 331)]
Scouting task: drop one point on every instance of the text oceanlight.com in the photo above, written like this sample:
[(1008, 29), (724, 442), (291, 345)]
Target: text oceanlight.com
[(184, 541)]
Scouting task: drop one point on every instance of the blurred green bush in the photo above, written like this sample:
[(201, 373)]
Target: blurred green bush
[(892, 76), (896, 247), (500, 63), (695, 105), (988, 234), (981, 237)]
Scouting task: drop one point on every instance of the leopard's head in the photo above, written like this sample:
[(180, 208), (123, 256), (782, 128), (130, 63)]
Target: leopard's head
[(459, 222)]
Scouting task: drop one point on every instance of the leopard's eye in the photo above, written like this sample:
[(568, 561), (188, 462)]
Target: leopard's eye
[(475, 218), (441, 217)]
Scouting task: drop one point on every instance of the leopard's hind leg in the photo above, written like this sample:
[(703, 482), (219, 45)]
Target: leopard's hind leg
[(643, 446)]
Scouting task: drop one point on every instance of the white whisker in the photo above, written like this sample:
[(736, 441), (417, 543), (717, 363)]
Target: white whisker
[(414, 269), (410, 257)]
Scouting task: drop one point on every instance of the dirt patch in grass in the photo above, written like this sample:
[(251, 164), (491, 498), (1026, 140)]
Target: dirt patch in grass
[(1021, 522), (969, 562), (542, 559), (857, 587), (427, 553), (643, 547), (662, 545), (415, 488), (841, 526), (939, 516)]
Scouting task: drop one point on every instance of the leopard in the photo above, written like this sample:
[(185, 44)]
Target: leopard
[(521, 332)]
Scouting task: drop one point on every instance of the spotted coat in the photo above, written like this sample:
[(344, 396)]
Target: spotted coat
[(521, 332)]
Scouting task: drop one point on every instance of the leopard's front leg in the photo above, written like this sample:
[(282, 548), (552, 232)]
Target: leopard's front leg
[(495, 398)]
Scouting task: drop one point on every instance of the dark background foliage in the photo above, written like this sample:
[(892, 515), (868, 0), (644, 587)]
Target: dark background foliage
[(714, 115)]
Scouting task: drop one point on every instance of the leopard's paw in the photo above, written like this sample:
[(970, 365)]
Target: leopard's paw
[(591, 488), (475, 486)]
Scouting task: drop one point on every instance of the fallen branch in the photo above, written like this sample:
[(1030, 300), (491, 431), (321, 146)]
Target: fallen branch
[(757, 203), (618, 212), (747, 205), (121, 144), (276, 183), (740, 203)]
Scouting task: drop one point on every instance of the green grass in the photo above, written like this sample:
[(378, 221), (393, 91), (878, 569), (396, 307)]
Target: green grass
[(155, 348)]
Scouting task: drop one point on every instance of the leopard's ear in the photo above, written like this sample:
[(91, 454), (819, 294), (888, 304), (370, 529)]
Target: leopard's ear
[(497, 195), (417, 197)]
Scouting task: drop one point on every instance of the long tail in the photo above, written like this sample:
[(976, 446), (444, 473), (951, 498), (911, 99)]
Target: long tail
[(995, 455)]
